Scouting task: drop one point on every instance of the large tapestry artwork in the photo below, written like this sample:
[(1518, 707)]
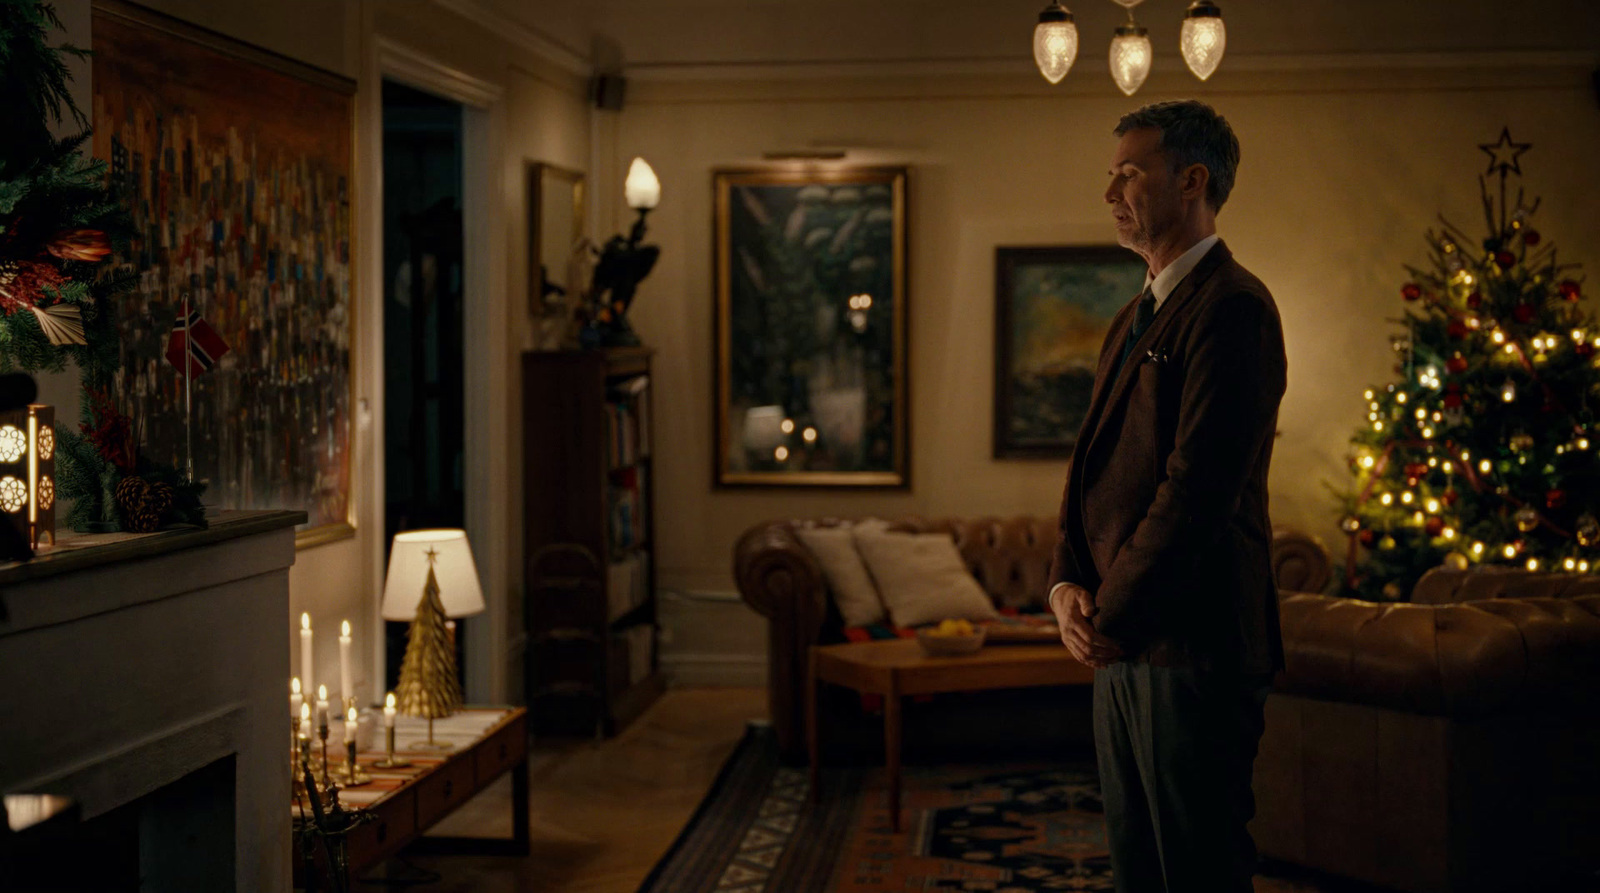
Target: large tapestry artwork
[(1053, 306), (811, 327), (236, 166)]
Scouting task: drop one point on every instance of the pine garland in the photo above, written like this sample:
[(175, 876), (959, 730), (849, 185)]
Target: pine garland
[(59, 221)]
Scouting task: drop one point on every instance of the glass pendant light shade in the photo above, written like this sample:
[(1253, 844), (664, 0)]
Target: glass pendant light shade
[(1055, 42), (1204, 38), (641, 190), (1130, 57)]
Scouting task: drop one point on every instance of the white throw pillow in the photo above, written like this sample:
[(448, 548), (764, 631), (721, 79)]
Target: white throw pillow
[(922, 578), (853, 592)]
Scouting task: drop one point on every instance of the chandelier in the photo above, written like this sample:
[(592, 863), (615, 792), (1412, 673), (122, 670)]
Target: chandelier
[(1204, 37)]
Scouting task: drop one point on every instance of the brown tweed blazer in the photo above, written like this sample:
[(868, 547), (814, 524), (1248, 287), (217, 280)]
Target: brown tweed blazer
[(1164, 516)]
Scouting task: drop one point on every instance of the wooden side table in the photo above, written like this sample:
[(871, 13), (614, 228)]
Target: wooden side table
[(895, 668), (405, 802)]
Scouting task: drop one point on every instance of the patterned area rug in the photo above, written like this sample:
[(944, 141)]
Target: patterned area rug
[(1011, 829)]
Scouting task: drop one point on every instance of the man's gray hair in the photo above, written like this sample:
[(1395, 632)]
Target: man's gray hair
[(1192, 133)]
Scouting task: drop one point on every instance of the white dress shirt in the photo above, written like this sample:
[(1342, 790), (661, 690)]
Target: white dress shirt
[(1161, 285)]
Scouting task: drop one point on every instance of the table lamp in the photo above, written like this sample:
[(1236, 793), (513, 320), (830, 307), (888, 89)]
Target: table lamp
[(431, 577)]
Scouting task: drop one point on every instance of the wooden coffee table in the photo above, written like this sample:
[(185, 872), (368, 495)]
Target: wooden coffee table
[(895, 668)]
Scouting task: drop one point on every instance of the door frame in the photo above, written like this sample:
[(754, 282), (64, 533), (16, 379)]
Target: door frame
[(486, 344)]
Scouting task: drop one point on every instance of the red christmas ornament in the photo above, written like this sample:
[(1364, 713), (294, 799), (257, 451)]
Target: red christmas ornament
[(1456, 364), (1456, 329), (1452, 400), (1411, 291), (1416, 469), (1366, 536), (1522, 312), (1569, 289), (1474, 300), (1449, 497), (1583, 350), (1505, 259), (1530, 237), (1434, 526), (1555, 499)]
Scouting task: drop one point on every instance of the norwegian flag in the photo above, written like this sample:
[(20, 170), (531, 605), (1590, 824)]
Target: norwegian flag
[(205, 346)]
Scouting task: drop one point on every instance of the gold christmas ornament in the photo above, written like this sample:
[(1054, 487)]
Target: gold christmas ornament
[(1350, 524), (1526, 519), (1456, 561), (1588, 531), (1391, 591)]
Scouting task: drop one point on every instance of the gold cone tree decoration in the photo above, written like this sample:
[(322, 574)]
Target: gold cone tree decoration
[(429, 686)]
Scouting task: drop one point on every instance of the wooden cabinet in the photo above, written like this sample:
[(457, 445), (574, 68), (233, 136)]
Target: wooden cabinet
[(589, 539)]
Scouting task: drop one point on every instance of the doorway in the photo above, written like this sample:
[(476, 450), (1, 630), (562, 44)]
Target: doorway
[(424, 369)]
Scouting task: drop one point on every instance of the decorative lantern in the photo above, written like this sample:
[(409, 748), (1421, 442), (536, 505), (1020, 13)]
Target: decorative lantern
[(28, 472)]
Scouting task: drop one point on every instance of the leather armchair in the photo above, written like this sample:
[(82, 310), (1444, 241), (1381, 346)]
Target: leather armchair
[(1441, 745)]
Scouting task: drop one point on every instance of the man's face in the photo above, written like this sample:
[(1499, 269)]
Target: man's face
[(1145, 196)]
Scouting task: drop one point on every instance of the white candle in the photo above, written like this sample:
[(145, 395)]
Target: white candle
[(350, 721), (322, 707), (305, 650), (346, 692), (305, 720), (388, 711), (296, 699)]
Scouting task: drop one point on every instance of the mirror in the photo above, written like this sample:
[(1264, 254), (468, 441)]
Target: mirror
[(556, 256)]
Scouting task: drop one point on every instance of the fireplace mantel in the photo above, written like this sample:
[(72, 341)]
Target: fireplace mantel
[(134, 661)]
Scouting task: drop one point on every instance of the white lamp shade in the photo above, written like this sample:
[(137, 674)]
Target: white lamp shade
[(1055, 46), (453, 569), (1130, 58), (643, 190), (1203, 42)]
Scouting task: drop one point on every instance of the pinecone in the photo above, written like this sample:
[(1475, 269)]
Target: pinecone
[(143, 503)]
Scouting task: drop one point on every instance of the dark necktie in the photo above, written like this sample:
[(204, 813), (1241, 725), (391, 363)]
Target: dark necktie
[(1142, 317)]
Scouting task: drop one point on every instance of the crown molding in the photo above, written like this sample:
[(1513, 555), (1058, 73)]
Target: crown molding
[(520, 35), (1261, 63)]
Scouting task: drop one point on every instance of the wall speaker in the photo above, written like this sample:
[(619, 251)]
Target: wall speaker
[(606, 91)]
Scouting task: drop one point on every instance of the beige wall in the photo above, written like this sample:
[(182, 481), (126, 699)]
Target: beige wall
[(1343, 169)]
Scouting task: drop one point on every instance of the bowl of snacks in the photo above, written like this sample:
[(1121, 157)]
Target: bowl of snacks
[(950, 638)]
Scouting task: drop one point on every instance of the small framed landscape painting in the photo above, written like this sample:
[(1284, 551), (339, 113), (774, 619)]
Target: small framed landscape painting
[(1053, 306), (811, 328)]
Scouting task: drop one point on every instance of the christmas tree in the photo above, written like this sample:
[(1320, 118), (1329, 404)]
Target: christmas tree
[(1483, 450), (429, 686)]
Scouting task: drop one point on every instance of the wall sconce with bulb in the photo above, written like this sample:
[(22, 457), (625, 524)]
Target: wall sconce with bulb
[(623, 264), (1203, 40)]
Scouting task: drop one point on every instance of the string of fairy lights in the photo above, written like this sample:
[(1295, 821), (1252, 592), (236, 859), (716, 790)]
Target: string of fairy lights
[(1449, 469)]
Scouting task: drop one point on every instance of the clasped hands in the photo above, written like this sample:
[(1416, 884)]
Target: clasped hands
[(1073, 607)]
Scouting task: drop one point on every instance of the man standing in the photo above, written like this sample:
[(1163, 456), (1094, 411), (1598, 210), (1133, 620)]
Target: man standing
[(1162, 579)]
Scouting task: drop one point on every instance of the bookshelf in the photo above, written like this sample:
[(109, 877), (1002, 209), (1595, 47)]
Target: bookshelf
[(589, 540)]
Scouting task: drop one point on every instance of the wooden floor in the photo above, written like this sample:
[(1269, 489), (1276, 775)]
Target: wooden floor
[(604, 812)]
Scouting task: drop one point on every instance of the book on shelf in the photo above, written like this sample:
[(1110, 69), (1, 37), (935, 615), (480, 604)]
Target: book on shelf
[(627, 585), (626, 508)]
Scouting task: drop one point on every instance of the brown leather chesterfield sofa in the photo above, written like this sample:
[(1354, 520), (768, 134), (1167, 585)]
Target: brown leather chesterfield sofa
[(1452, 743), (778, 577)]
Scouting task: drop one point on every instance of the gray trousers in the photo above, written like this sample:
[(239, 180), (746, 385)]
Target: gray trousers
[(1175, 747)]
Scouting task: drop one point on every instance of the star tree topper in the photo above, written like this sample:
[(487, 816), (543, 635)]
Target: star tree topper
[(1503, 155)]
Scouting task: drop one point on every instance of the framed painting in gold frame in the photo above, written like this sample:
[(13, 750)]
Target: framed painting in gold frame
[(811, 319), (236, 166)]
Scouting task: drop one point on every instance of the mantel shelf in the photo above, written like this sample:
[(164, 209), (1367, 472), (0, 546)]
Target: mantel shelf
[(76, 552)]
